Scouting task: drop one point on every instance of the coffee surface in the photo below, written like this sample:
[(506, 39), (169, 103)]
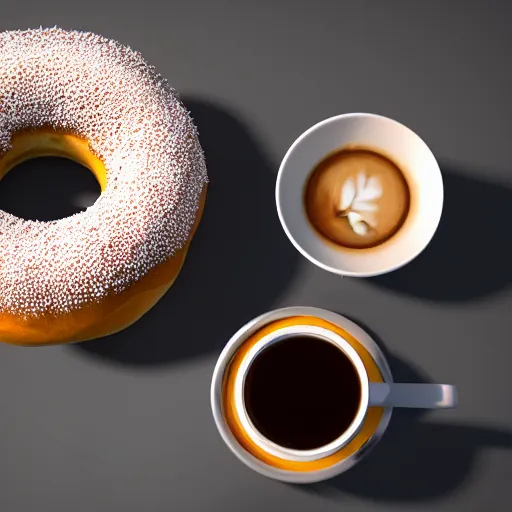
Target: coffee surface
[(302, 392), (357, 198)]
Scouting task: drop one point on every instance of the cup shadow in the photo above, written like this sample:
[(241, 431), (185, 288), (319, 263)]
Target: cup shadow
[(417, 459), (459, 264), (238, 264)]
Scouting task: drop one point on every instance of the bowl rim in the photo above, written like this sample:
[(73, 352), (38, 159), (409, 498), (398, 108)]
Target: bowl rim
[(335, 270)]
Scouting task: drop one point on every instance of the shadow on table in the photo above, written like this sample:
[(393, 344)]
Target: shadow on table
[(238, 264), (416, 459), (469, 256)]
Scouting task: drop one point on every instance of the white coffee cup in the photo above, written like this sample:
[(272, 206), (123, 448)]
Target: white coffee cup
[(378, 397), (372, 394), (380, 134)]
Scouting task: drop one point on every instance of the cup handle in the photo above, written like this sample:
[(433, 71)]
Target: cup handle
[(419, 396)]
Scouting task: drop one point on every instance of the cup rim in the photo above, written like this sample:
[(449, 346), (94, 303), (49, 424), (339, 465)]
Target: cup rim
[(336, 444), (349, 273)]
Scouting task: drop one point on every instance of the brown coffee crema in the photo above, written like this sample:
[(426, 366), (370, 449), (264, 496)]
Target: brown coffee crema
[(357, 198)]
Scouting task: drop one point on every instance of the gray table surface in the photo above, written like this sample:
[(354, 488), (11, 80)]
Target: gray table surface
[(124, 423)]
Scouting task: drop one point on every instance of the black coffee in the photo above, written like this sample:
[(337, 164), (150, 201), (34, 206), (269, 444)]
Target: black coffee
[(302, 392)]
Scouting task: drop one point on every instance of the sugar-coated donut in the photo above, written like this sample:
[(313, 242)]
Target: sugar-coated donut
[(79, 95)]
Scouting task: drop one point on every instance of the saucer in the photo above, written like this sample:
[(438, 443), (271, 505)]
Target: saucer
[(216, 394)]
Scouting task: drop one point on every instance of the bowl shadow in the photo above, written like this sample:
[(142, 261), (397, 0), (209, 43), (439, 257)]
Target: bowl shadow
[(417, 459), (469, 256), (239, 261)]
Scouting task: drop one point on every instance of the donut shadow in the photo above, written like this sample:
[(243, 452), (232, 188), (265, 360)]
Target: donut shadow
[(238, 264), (417, 459), (469, 256)]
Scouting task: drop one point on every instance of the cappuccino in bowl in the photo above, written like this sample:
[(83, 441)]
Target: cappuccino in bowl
[(359, 195), (357, 198)]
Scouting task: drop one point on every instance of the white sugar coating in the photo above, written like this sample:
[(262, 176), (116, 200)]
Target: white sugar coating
[(105, 92)]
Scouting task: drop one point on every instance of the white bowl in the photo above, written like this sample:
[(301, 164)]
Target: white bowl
[(394, 140)]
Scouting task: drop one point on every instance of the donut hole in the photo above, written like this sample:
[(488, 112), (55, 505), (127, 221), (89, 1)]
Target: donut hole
[(48, 188), (49, 175)]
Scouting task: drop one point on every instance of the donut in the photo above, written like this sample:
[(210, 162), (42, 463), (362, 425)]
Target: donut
[(95, 101)]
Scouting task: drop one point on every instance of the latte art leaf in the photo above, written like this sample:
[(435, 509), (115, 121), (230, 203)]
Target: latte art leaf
[(358, 224), (368, 190), (363, 206), (348, 193), (358, 202)]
